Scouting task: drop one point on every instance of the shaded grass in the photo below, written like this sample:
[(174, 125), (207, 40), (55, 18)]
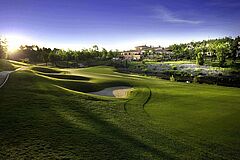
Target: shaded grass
[(62, 124), (179, 121), (46, 70), (64, 76), (6, 66)]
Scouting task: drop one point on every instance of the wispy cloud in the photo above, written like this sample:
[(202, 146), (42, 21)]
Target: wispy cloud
[(166, 15), (223, 3)]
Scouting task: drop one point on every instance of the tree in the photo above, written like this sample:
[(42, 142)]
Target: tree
[(76, 56), (176, 50), (116, 53), (110, 54), (3, 48), (95, 52), (53, 56), (235, 45), (95, 47), (204, 47), (104, 53), (189, 50), (30, 52), (45, 54), (199, 55), (212, 50), (222, 50)]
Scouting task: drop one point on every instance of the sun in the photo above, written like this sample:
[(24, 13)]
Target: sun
[(14, 41)]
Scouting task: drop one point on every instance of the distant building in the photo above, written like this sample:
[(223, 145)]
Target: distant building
[(142, 48), (131, 55), (146, 51)]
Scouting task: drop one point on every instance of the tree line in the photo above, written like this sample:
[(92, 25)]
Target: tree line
[(35, 54), (214, 50)]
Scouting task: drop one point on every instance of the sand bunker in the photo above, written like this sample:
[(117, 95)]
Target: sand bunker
[(118, 92)]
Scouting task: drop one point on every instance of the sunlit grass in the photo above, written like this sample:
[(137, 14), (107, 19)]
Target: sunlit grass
[(18, 63), (54, 117)]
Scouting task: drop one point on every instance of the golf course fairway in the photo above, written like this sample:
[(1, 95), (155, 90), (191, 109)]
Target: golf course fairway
[(49, 113)]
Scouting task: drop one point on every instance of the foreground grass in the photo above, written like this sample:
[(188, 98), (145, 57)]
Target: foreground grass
[(6, 66), (47, 117)]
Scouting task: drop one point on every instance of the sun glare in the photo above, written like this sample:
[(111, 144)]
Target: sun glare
[(15, 41)]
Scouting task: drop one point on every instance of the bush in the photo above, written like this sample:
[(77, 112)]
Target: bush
[(172, 79), (199, 59)]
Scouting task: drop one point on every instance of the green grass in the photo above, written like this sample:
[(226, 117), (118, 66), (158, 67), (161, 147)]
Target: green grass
[(6, 66), (18, 63), (44, 117)]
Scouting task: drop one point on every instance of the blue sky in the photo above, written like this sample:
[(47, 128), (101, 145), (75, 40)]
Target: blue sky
[(120, 24)]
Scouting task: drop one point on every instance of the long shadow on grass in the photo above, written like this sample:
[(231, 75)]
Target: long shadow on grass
[(137, 101), (88, 86), (65, 76), (109, 132)]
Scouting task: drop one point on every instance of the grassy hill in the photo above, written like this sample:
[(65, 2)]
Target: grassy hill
[(6, 66), (49, 114)]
